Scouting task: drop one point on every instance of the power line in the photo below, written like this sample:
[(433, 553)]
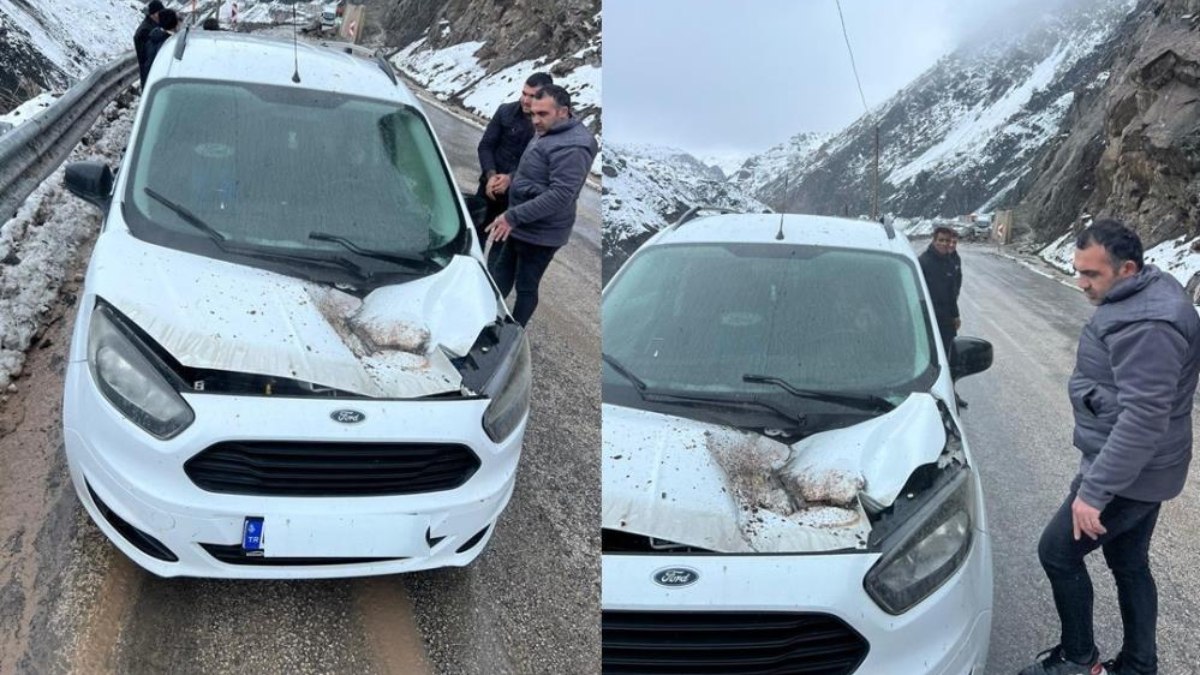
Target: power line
[(853, 66)]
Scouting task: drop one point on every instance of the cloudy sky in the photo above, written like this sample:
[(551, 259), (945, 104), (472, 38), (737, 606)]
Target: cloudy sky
[(738, 76)]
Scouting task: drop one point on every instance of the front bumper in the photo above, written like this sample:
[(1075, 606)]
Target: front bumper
[(141, 482), (946, 634)]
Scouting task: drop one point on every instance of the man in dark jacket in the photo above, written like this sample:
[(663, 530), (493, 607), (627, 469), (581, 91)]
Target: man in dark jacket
[(507, 134), (942, 269), (1132, 390), (542, 199), (142, 34), (168, 21)]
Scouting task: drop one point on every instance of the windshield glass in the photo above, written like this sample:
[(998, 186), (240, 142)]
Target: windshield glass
[(265, 167), (698, 318)]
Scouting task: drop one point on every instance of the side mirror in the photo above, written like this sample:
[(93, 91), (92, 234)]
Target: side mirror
[(971, 355), (477, 207), (90, 181)]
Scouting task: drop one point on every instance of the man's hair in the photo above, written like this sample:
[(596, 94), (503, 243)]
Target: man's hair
[(942, 229), (539, 80), (1120, 242), (211, 23), (168, 19), (562, 98), (154, 7)]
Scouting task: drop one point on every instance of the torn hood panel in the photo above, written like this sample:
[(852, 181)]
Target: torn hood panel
[(730, 491), (218, 315)]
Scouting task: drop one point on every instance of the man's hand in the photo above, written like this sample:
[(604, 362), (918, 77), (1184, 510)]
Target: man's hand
[(498, 229), (497, 185), (957, 323), (1086, 519)]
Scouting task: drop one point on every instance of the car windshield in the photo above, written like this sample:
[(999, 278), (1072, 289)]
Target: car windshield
[(265, 167), (698, 318)]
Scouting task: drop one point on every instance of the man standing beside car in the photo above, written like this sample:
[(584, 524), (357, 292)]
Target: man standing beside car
[(500, 148), (142, 35), (942, 269), (1131, 392), (542, 198)]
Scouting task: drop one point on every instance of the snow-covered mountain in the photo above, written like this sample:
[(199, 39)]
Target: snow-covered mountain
[(647, 187), (759, 170), (44, 44), (958, 138)]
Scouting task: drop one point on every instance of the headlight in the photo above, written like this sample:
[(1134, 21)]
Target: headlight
[(130, 382), (926, 552), (509, 390)]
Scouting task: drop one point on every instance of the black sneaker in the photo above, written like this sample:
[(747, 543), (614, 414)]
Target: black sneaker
[(1118, 666), (1054, 662)]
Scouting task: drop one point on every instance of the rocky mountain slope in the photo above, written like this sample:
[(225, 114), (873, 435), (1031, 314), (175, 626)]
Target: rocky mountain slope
[(961, 136), (1130, 147), (647, 187)]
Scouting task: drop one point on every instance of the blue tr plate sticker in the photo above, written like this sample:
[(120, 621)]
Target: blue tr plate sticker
[(252, 533)]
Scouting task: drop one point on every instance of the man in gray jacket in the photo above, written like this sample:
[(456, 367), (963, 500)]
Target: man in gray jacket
[(1135, 377), (541, 199)]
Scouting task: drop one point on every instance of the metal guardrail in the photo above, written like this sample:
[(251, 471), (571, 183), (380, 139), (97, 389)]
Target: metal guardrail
[(32, 151)]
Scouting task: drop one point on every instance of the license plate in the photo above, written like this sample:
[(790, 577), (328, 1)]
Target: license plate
[(252, 535)]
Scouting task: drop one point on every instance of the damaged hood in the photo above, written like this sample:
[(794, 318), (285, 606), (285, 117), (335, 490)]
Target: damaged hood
[(730, 491), (217, 315)]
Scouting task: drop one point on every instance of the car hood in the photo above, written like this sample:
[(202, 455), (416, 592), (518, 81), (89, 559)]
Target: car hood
[(212, 314), (730, 491)]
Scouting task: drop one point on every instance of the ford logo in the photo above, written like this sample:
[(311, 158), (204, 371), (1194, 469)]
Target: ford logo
[(347, 416), (673, 577)]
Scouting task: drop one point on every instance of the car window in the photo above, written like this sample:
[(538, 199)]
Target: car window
[(698, 317), (265, 166)]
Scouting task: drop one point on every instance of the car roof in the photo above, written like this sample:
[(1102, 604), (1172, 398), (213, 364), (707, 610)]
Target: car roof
[(797, 229), (239, 57)]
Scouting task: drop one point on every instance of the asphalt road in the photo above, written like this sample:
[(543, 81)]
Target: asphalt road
[(70, 602), (1019, 429)]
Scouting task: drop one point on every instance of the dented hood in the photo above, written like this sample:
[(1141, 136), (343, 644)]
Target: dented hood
[(730, 491), (218, 315)]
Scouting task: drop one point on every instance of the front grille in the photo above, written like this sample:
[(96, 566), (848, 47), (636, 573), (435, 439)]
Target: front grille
[(758, 643), (234, 555), (305, 469)]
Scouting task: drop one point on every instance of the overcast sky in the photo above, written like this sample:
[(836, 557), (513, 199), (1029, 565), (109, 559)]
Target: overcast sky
[(738, 76)]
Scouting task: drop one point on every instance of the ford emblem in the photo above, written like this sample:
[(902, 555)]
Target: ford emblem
[(347, 416), (673, 577)]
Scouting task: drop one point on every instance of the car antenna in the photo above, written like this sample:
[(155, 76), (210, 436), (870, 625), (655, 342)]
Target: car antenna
[(295, 47), (786, 179)]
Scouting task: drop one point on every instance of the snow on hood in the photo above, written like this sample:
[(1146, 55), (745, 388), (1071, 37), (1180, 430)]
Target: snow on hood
[(730, 491), (218, 315)]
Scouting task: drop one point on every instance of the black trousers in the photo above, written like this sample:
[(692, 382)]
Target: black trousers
[(520, 264), (1126, 545)]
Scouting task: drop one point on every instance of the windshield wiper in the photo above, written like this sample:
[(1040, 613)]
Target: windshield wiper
[(800, 420), (863, 401), (336, 261), (188, 217), (400, 258), (625, 372)]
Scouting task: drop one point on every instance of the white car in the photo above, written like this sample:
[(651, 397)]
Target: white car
[(786, 487), (273, 375)]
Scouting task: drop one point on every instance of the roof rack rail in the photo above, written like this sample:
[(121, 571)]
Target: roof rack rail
[(887, 227), (694, 212), (387, 68), (181, 44)]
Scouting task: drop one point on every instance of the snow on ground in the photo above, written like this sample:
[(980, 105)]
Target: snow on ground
[(39, 244), (454, 72), (28, 110), (76, 35), (1174, 256), (1061, 253)]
